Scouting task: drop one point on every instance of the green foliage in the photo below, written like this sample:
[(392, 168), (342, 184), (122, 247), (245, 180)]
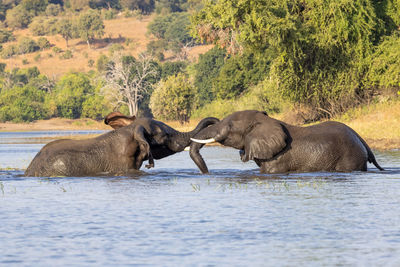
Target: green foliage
[(310, 66), (66, 55), (21, 104), (65, 29), (18, 17), (173, 99), (239, 73), (206, 70), (170, 6), (172, 68), (53, 10), (43, 26), (6, 36), (34, 6), (9, 51), (90, 25), (102, 62), (384, 70), (27, 45), (108, 14), (43, 43), (145, 7), (94, 107), (172, 30), (70, 93)]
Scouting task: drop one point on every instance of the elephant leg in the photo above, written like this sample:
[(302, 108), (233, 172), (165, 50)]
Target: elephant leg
[(151, 161), (144, 147)]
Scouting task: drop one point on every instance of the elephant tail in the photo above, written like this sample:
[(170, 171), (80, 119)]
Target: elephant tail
[(371, 156)]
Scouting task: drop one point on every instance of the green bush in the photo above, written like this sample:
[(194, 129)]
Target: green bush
[(9, 51), (53, 10), (27, 45), (173, 99), (101, 63), (239, 73), (6, 36), (384, 69), (44, 26), (18, 17), (170, 68), (70, 93), (22, 104), (43, 43), (67, 55), (94, 107), (206, 70), (108, 14)]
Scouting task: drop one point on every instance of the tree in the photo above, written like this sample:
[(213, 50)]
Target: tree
[(65, 29), (21, 104), (70, 93), (173, 30), (174, 98), (34, 6), (128, 80), (319, 68), (206, 70), (18, 17), (90, 25)]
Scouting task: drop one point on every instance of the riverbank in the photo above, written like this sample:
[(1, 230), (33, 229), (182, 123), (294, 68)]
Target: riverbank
[(378, 124)]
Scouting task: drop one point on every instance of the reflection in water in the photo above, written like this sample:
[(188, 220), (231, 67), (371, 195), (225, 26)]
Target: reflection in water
[(172, 215)]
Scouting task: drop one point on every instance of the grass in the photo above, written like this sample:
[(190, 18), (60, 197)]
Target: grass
[(377, 123)]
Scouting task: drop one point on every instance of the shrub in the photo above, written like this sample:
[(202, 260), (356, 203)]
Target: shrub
[(18, 17), (22, 104), (9, 51), (6, 36), (173, 99), (27, 45), (90, 63), (108, 14), (70, 93), (384, 70), (102, 62), (56, 50), (43, 43), (53, 10), (67, 55), (115, 48), (206, 70)]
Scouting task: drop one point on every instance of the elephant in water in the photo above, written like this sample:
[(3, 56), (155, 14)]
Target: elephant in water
[(116, 152), (278, 147)]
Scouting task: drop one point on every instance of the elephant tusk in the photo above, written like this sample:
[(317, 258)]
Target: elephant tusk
[(207, 141), (187, 148)]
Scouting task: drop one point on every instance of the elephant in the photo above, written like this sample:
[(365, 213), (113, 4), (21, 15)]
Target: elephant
[(278, 147), (119, 151)]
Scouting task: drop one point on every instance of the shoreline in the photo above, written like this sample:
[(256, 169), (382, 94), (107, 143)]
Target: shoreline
[(61, 124)]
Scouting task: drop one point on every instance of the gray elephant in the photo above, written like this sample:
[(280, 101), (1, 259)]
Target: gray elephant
[(116, 152), (278, 147)]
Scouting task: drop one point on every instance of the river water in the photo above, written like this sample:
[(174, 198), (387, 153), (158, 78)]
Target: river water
[(174, 216)]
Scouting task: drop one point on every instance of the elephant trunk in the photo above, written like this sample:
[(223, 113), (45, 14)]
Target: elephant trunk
[(183, 139)]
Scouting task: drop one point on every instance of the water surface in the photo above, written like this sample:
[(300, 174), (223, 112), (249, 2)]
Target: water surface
[(174, 216)]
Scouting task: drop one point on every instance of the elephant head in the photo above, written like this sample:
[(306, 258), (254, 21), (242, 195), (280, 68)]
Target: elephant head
[(156, 139), (254, 133)]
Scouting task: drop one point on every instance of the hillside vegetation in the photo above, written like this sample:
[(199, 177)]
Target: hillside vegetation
[(182, 59)]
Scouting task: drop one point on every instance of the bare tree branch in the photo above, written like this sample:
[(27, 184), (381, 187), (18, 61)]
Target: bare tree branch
[(128, 83)]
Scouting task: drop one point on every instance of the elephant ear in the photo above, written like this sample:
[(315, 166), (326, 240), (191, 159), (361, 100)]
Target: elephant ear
[(265, 140), (117, 120)]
